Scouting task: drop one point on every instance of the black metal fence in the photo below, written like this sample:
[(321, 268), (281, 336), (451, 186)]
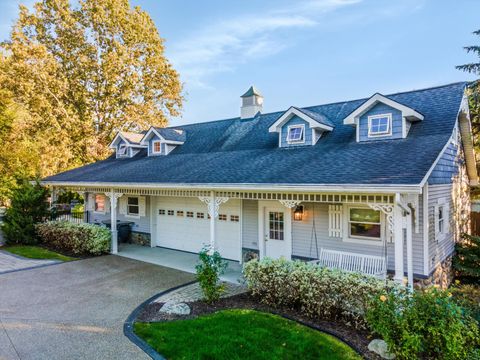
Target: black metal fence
[(71, 215)]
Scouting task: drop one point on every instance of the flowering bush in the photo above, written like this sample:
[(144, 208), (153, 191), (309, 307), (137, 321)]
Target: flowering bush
[(209, 269), (317, 292), (78, 239), (424, 325)]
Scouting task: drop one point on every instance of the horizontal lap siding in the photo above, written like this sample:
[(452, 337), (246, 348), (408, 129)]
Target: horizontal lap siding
[(250, 224), (296, 121), (417, 241)]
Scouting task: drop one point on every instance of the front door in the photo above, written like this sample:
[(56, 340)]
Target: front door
[(277, 232)]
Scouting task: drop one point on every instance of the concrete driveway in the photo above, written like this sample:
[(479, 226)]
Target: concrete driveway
[(76, 310)]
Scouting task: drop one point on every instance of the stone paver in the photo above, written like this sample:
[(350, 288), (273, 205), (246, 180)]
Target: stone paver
[(193, 292), (76, 310), (10, 262)]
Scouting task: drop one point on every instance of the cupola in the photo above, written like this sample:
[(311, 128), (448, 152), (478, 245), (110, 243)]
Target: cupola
[(252, 103)]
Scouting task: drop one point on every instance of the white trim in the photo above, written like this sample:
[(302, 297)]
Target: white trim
[(361, 239), (129, 144), (427, 175), (290, 113), (426, 225), (132, 216), (380, 134), (353, 188), (263, 205), (302, 139), (241, 230), (153, 152), (407, 112)]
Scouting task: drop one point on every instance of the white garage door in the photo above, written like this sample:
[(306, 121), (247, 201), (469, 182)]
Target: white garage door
[(183, 224)]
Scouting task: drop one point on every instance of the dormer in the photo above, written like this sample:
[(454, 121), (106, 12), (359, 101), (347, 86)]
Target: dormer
[(127, 144), (300, 127), (381, 118), (162, 141)]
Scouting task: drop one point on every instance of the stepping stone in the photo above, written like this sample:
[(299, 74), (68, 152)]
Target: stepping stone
[(380, 347), (175, 308)]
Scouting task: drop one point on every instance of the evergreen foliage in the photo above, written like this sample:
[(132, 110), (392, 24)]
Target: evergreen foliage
[(467, 258)]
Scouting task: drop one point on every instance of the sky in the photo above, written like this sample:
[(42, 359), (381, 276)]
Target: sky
[(304, 52)]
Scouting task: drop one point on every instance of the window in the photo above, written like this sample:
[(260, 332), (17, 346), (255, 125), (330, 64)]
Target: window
[(156, 147), (380, 125), (190, 214), (364, 223), (441, 219), (276, 225), (296, 134), (161, 212), (99, 203), (442, 216), (132, 206), (180, 213), (200, 215), (222, 217), (122, 150), (171, 212), (234, 218)]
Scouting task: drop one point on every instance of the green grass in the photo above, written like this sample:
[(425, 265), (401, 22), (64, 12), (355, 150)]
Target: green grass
[(36, 252), (241, 334)]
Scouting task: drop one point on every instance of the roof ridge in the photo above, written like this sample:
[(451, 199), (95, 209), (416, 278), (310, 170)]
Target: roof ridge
[(326, 104)]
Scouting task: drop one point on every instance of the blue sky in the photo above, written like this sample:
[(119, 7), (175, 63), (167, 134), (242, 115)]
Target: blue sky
[(305, 52)]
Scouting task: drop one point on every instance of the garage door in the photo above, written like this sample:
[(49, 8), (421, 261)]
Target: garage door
[(183, 224)]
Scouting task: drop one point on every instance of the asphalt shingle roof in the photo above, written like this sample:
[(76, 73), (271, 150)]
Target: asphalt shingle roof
[(173, 134), (244, 152)]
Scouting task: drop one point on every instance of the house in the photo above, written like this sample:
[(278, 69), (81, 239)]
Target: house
[(385, 177)]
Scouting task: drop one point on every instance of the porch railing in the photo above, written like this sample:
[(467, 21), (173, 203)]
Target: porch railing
[(71, 215)]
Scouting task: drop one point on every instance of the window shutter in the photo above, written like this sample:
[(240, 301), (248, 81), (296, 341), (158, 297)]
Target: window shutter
[(335, 220), (435, 221), (90, 202), (141, 205), (122, 205)]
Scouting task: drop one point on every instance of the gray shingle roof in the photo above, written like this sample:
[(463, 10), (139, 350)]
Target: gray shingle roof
[(172, 134), (243, 151), (317, 116)]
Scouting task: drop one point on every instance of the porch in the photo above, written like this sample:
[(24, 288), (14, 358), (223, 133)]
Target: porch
[(175, 259)]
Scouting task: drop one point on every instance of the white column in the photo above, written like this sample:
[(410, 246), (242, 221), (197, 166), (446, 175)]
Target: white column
[(213, 214), (398, 239), (409, 251), (113, 218)]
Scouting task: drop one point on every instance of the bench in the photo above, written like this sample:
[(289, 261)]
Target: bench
[(353, 262)]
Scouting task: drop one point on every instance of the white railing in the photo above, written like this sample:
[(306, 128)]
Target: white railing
[(353, 262)]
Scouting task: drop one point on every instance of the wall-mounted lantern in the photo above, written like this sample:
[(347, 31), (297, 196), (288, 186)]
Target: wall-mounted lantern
[(298, 213)]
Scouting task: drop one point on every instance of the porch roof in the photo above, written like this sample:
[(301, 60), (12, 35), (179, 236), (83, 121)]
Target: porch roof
[(239, 151)]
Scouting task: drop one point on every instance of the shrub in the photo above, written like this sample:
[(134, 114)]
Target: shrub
[(28, 206), (466, 261), (78, 211), (78, 239), (209, 269), (315, 291), (468, 296), (423, 325)]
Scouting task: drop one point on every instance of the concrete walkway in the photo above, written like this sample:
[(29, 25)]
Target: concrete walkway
[(10, 262), (76, 310), (175, 259)]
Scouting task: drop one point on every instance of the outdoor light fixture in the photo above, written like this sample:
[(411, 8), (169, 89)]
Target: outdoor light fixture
[(298, 213)]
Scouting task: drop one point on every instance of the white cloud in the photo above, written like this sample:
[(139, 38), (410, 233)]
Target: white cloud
[(227, 44)]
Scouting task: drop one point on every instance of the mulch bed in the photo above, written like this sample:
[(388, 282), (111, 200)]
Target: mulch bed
[(355, 338)]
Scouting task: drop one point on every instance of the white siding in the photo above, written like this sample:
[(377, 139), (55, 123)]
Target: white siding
[(250, 224)]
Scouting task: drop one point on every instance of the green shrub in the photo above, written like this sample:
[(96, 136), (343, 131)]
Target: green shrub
[(315, 291), (78, 211), (78, 239), (28, 206), (423, 325), (209, 269), (468, 296), (466, 261)]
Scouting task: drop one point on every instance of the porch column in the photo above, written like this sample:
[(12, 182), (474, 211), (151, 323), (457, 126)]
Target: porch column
[(113, 218), (409, 251), (213, 204), (398, 239)]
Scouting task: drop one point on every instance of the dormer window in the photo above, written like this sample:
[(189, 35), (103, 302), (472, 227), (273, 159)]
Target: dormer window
[(296, 134), (156, 147), (122, 150), (380, 125)]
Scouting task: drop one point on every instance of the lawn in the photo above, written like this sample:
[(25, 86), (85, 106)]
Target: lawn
[(241, 334), (36, 252)]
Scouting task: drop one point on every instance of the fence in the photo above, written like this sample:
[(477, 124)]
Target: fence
[(73, 216)]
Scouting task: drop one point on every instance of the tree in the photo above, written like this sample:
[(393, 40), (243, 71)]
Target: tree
[(83, 71), (473, 89), (29, 206), (467, 258)]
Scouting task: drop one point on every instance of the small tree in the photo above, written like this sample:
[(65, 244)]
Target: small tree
[(467, 259), (28, 206), (209, 269)]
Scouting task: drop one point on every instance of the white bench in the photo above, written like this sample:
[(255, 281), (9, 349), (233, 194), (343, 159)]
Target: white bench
[(353, 262)]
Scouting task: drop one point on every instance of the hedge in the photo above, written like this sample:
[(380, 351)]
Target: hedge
[(77, 239), (315, 291)]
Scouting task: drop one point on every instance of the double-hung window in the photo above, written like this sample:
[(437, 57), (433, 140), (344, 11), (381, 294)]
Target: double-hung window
[(122, 150), (133, 208), (296, 134), (364, 223), (156, 147), (380, 125)]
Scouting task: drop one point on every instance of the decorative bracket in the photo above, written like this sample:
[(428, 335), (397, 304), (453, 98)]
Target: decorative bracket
[(213, 206), (387, 209), (412, 201), (113, 196), (290, 203)]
